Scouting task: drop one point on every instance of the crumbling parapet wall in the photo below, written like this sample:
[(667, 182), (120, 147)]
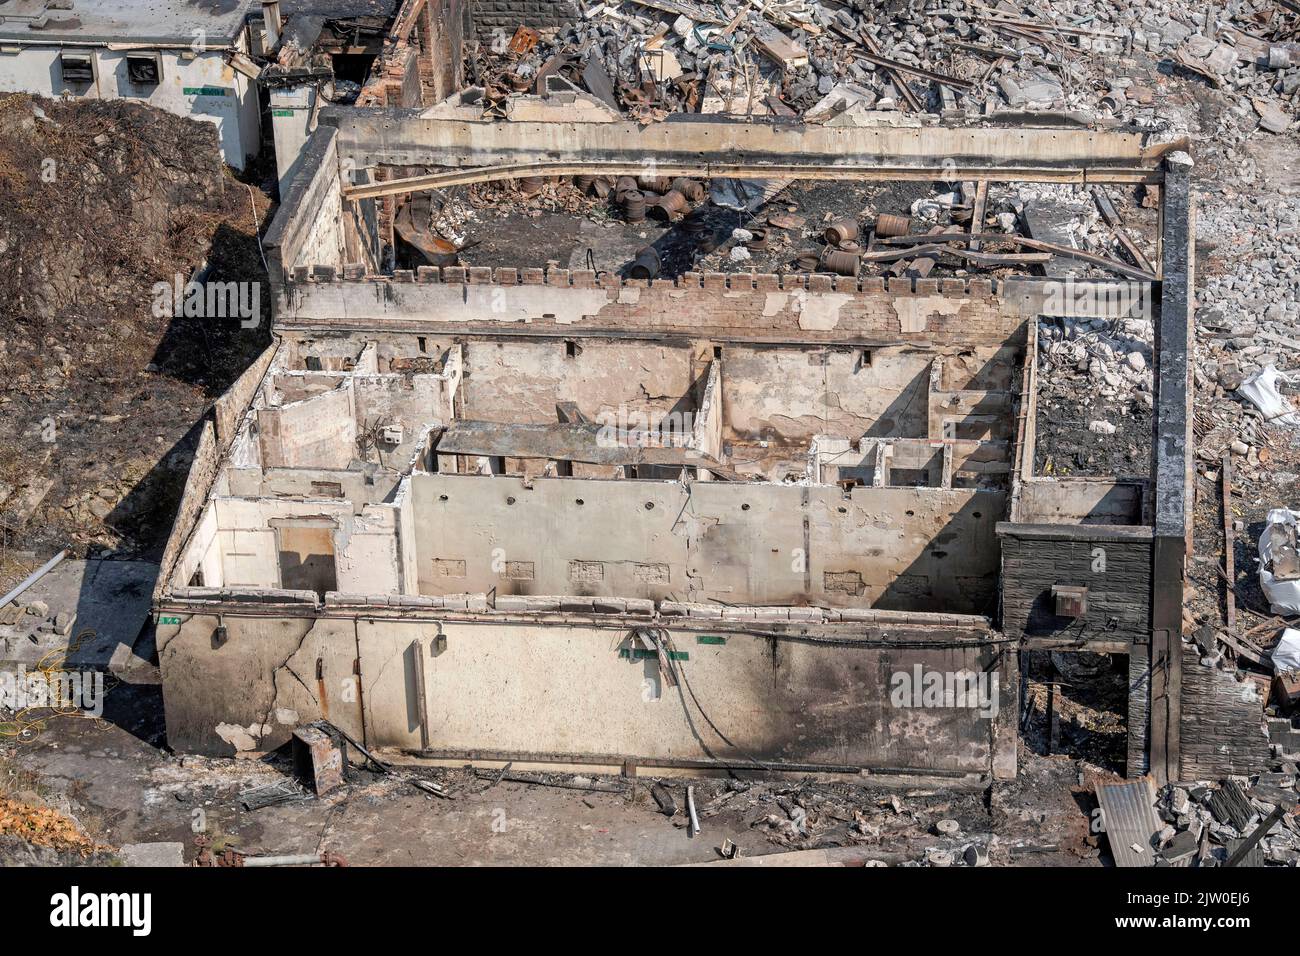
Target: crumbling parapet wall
[(309, 223), (759, 147), (1222, 727), (215, 439), (422, 60), (801, 308)]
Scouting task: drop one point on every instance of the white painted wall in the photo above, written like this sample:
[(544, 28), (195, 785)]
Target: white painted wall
[(229, 100), (292, 109)]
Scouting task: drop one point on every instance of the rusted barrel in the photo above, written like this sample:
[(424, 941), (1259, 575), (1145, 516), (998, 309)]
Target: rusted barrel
[(840, 262), (531, 185), (841, 230), (646, 265), (694, 225), (584, 183), (671, 207), (634, 205), (887, 225), (692, 189), (626, 184), (659, 184)]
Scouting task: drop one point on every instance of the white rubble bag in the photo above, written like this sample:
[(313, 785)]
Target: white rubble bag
[(1261, 388), (1276, 541), (1286, 656)]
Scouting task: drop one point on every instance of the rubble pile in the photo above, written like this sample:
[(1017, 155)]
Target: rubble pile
[(1204, 823), (1248, 320), (959, 58), (918, 828), (1095, 395)]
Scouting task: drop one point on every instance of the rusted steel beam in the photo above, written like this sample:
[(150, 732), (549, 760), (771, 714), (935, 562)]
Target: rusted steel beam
[(702, 168)]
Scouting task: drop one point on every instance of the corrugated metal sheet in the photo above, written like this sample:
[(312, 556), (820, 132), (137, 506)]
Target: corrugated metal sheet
[(1129, 816)]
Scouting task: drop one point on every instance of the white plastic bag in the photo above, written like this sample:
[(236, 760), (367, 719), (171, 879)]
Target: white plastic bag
[(1261, 389), (1286, 656), (1284, 596)]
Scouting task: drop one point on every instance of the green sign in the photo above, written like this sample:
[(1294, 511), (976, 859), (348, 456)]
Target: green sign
[(641, 654), (207, 91), (710, 639), (169, 620)]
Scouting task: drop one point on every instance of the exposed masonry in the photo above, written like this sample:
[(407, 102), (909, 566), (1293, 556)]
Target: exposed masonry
[(710, 281), (857, 494)]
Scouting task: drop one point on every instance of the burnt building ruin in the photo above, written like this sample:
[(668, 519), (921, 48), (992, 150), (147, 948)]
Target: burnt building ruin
[(556, 514)]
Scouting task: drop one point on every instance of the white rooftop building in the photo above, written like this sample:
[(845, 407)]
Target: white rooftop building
[(189, 57)]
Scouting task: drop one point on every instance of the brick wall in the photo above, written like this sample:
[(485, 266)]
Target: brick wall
[(1118, 581), (810, 308), (1221, 729), (507, 15)]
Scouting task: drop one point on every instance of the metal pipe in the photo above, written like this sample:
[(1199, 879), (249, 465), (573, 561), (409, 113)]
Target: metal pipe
[(298, 859), (35, 576)]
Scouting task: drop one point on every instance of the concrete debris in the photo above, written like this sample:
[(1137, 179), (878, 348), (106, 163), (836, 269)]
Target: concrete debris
[(1204, 822)]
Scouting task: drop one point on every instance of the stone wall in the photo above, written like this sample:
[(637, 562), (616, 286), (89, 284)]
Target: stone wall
[(505, 16), (1113, 563)]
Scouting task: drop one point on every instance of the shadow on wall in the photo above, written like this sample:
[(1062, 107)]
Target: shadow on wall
[(935, 580)]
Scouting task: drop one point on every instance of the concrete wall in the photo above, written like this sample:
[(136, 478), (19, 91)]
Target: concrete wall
[(202, 87), (575, 692), (793, 394), (317, 432), (243, 551), (898, 548), (309, 223), (292, 109), (520, 382)]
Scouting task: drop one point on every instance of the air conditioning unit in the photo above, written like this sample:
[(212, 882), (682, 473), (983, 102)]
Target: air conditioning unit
[(392, 434)]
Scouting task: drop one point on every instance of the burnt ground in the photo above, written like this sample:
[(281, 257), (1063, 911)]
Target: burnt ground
[(1065, 447), (99, 395), (116, 782), (499, 227)]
